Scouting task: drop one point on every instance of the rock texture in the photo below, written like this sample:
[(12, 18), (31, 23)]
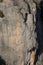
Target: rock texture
[(17, 31)]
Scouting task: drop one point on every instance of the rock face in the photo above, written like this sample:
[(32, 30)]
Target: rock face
[(40, 60), (17, 31)]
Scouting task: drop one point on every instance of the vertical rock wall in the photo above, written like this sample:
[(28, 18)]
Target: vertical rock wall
[(17, 30)]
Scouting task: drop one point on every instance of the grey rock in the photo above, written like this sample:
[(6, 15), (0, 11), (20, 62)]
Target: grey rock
[(17, 31)]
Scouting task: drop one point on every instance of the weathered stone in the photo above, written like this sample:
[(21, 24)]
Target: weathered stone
[(17, 31)]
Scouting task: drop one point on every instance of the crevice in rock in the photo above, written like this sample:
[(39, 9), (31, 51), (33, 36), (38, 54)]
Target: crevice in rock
[(1, 14), (39, 30), (2, 61), (1, 0), (29, 10), (25, 19)]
